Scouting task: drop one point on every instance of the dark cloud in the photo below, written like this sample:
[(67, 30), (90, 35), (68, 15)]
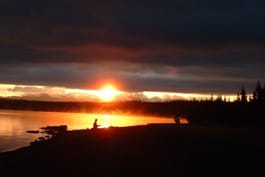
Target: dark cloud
[(132, 77), (150, 45)]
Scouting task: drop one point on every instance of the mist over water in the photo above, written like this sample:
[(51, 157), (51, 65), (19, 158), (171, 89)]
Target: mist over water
[(14, 124)]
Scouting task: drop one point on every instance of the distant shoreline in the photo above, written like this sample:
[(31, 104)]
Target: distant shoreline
[(198, 112)]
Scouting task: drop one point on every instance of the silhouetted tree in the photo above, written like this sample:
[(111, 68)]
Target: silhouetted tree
[(238, 97), (259, 93), (243, 96), (219, 98), (211, 97), (254, 96), (263, 93)]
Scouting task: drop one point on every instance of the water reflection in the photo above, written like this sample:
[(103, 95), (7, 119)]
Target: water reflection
[(106, 120), (183, 120), (14, 124)]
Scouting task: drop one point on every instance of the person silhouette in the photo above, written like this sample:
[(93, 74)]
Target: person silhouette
[(95, 125), (177, 119)]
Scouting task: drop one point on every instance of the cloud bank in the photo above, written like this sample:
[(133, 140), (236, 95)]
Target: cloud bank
[(179, 46)]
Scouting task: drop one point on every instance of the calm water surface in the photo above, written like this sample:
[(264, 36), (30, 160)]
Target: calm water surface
[(14, 124)]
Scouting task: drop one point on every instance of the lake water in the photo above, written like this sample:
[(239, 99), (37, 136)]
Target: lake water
[(14, 124)]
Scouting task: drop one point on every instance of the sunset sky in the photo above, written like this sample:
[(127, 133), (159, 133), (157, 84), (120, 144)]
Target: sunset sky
[(149, 50)]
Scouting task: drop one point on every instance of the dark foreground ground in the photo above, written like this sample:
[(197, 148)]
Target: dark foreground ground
[(171, 150)]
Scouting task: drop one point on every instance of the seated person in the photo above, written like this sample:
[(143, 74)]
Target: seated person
[(95, 125)]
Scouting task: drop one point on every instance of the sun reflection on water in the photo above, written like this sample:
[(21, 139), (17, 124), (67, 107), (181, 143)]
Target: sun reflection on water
[(119, 120), (14, 124)]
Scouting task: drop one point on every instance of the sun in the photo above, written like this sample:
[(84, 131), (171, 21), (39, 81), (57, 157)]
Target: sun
[(107, 93)]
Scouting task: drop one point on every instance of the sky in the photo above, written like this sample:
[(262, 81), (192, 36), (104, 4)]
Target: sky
[(148, 46)]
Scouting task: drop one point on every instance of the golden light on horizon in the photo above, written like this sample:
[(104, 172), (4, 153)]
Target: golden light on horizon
[(108, 92)]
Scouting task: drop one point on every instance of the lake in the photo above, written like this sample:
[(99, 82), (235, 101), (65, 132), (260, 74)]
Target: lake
[(14, 124)]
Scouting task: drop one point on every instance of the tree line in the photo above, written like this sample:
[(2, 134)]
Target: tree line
[(258, 95)]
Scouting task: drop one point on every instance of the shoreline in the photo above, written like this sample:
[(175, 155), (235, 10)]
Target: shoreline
[(149, 124), (177, 150)]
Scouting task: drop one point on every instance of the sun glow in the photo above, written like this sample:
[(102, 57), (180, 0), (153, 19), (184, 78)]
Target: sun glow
[(108, 92), (104, 126)]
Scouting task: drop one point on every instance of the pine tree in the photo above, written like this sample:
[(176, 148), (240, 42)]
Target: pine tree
[(243, 96), (255, 96), (259, 93)]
